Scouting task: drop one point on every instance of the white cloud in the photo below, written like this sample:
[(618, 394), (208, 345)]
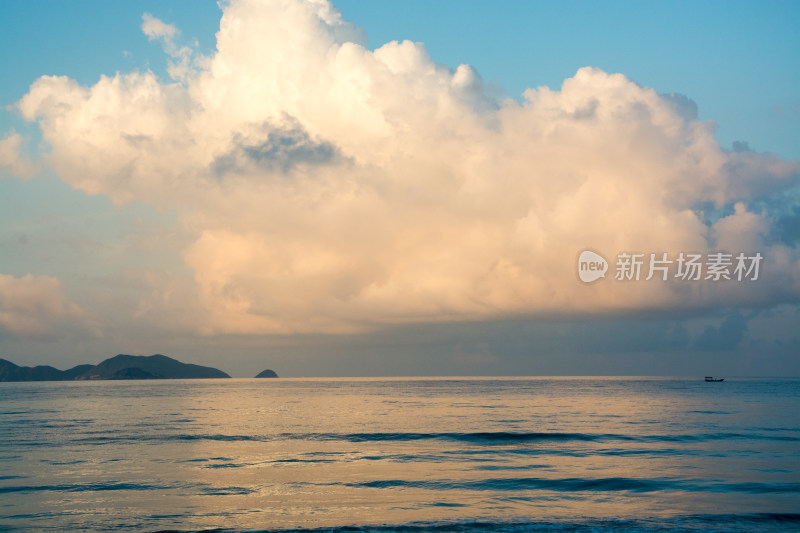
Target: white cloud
[(34, 306), (181, 68), (157, 29), (11, 158), (334, 188)]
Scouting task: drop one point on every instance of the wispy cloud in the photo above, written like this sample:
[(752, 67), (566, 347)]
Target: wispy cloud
[(156, 29), (12, 158)]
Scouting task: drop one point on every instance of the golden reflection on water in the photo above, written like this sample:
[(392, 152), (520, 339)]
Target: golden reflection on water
[(313, 453)]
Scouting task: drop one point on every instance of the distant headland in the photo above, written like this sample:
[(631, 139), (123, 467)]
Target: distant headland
[(118, 367)]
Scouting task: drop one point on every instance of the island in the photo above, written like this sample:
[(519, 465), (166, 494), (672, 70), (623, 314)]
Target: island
[(118, 367), (267, 374)]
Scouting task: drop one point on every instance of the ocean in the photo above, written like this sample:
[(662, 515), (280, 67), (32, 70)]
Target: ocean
[(402, 455)]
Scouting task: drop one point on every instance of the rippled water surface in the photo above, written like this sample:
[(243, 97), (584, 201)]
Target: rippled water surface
[(458, 454)]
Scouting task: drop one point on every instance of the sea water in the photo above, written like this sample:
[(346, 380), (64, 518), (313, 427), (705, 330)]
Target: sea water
[(402, 454)]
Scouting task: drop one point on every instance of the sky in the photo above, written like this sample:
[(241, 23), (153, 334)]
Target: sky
[(402, 188)]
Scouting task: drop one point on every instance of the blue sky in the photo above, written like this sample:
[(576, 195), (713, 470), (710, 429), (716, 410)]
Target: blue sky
[(142, 248), (737, 59)]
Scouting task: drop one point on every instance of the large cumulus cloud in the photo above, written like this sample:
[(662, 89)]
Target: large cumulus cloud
[(330, 187)]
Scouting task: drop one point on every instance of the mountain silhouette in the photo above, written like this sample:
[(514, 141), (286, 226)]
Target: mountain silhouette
[(118, 367), (159, 366)]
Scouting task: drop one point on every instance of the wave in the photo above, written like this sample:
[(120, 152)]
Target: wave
[(518, 484), (483, 438), (615, 484), (676, 524), (498, 437), (80, 487), (510, 484), (203, 489)]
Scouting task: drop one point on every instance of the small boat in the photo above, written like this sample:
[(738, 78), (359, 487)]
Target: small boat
[(712, 379)]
